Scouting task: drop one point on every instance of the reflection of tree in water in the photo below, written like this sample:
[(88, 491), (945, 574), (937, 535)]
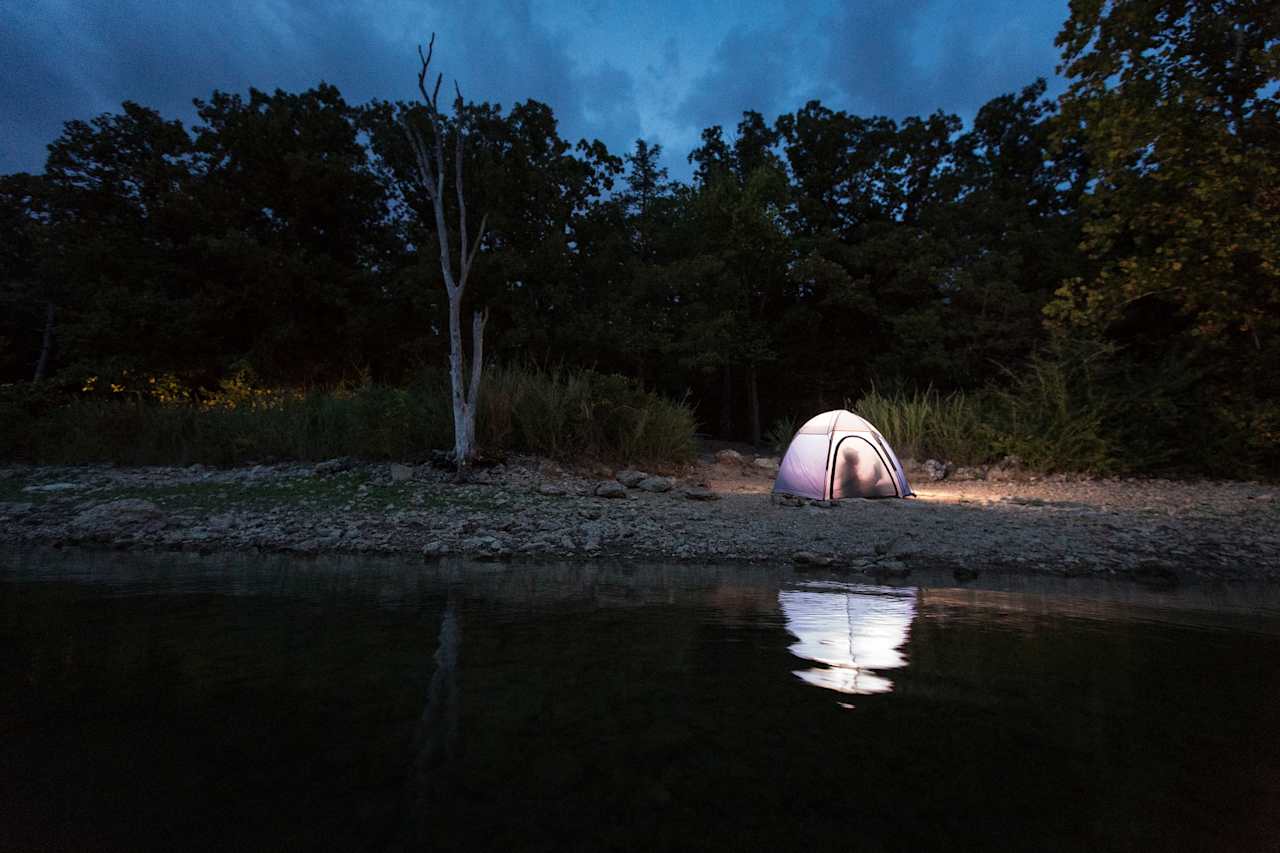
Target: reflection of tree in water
[(855, 631), (435, 739)]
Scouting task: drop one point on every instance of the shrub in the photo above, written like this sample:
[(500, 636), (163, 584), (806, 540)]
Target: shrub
[(565, 414)]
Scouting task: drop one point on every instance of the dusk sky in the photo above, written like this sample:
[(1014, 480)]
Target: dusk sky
[(611, 70)]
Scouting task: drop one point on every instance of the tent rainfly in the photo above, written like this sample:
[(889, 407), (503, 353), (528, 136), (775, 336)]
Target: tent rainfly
[(840, 455)]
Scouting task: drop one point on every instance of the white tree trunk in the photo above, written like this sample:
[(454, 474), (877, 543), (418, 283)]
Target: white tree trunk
[(431, 172)]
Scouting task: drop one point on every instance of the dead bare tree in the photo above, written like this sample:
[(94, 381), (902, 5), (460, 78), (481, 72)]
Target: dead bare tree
[(430, 162)]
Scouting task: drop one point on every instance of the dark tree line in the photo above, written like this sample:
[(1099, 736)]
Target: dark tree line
[(809, 257)]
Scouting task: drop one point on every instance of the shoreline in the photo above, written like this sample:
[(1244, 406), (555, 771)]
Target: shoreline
[(1156, 532)]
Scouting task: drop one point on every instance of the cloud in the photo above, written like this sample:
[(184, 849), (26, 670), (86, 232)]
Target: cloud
[(750, 70), (896, 58), (609, 69), (74, 62)]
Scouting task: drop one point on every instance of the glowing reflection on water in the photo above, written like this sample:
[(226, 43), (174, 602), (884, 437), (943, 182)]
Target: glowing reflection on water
[(855, 631)]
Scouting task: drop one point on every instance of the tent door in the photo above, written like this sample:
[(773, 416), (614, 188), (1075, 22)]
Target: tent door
[(859, 470)]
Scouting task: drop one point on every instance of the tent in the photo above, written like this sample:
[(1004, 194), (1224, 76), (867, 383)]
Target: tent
[(840, 455)]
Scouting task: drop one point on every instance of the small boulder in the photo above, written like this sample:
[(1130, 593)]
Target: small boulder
[(888, 570), (767, 463), (787, 500), (331, 466), (400, 473), (729, 457), (701, 493), (655, 484), (551, 490), (117, 516), (611, 489), (630, 478), (974, 472), (935, 470), (485, 547), (810, 558)]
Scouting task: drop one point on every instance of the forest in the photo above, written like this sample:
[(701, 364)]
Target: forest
[(1091, 281)]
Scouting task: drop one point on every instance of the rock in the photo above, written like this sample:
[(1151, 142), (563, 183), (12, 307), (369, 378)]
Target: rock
[(888, 570), (331, 467), (701, 493), (435, 550), (823, 504), (1010, 468), (611, 489), (50, 488), (400, 473), (975, 472), (481, 542), (631, 479), (768, 463), (729, 457), (810, 558), (551, 490), (787, 500), (116, 516), (655, 484), (15, 510), (935, 470)]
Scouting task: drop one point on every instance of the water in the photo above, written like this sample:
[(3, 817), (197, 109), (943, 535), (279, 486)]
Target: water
[(174, 702)]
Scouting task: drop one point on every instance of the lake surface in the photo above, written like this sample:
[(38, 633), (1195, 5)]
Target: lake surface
[(176, 702)]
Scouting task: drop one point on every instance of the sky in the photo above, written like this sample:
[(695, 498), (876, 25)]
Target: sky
[(614, 71)]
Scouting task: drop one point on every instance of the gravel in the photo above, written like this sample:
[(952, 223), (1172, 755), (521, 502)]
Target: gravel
[(1157, 532)]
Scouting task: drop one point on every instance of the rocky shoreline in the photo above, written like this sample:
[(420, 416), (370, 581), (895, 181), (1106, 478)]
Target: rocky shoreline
[(718, 510)]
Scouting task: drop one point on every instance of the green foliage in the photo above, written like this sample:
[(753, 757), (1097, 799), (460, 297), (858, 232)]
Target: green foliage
[(779, 436), (927, 424), (575, 413), (1050, 416), (565, 414)]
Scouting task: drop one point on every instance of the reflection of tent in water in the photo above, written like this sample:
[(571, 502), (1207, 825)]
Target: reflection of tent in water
[(854, 630)]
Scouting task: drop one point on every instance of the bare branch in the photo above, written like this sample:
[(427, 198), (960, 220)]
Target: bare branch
[(420, 157), (422, 74), (479, 237)]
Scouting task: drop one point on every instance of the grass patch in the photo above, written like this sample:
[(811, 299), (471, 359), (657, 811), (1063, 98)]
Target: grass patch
[(565, 414)]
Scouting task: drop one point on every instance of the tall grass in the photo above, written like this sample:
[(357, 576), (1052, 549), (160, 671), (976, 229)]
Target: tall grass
[(1054, 414), (927, 424), (564, 414)]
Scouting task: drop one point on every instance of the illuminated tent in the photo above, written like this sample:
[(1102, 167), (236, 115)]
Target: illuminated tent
[(839, 455)]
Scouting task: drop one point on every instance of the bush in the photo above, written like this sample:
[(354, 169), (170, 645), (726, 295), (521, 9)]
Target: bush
[(565, 414), (927, 424)]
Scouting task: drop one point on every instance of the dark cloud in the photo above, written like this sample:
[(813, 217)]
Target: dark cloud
[(897, 58), (610, 70), (751, 70), (61, 64)]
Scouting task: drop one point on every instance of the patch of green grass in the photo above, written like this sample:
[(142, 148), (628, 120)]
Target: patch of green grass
[(321, 494)]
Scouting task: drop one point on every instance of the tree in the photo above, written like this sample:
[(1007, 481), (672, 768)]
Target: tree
[(1177, 103), (430, 162), (1178, 106)]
